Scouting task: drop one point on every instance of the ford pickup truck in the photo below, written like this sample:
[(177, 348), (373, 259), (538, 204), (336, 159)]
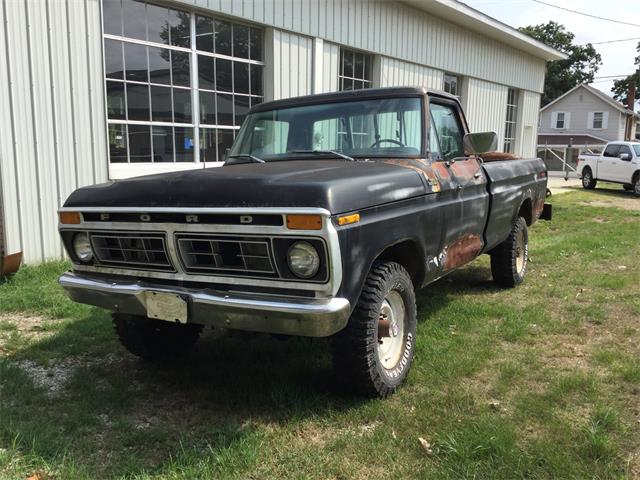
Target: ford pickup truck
[(330, 211), (618, 163)]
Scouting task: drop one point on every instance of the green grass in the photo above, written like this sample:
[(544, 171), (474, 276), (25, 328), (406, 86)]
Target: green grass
[(541, 381)]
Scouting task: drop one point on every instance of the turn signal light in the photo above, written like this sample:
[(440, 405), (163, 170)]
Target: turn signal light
[(69, 218), (304, 222), (349, 219)]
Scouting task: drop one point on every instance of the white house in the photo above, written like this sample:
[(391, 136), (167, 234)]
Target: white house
[(94, 90), (582, 119)]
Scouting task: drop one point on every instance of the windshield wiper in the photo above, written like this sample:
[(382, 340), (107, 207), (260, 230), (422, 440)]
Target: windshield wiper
[(244, 155), (325, 152)]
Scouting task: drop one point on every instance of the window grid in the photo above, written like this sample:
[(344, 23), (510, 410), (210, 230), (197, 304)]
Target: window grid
[(452, 84), (560, 120), (355, 70), (598, 119), (120, 129), (511, 121)]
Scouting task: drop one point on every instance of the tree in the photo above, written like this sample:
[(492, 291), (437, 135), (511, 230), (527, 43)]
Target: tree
[(562, 75), (620, 88)]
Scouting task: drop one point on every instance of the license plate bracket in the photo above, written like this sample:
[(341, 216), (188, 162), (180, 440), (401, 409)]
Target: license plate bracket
[(169, 307)]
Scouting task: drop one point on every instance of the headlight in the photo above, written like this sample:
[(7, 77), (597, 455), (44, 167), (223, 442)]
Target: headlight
[(303, 259), (82, 247)]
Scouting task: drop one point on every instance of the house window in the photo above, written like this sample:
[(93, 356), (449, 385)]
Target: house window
[(178, 84), (511, 122), (598, 119), (560, 120), (355, 70), (451, 84)]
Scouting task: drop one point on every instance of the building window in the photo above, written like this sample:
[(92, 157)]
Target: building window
[(178, 84), (355, 70), (452, 84), (560, 120), (512, 119), (598, 119)]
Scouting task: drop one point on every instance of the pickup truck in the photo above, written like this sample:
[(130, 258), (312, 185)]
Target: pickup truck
[(330, 211), (618, 163)]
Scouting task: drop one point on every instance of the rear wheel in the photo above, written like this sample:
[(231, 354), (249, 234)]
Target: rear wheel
[(155, 339), (374, 352), (509, 259), (588, 181), (636, 185)]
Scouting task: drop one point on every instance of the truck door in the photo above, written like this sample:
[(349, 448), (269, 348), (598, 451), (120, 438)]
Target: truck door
[(465, 239), (608, 162), (625, 168)]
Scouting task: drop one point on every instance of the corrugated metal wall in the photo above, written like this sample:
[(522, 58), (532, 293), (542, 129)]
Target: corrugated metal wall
[(53, 137), (292, 64), (330, 65), (486, 107), (395, 30), (396, 72), (528, 124)]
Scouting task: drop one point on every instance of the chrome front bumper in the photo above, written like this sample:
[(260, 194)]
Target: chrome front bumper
[(253, 312)]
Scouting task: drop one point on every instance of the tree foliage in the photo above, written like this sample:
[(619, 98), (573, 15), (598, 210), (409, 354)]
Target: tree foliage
[(621, 87), (562, 75)]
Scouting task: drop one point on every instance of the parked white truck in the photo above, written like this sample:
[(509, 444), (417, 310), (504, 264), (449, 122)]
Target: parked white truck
[(618, 163)]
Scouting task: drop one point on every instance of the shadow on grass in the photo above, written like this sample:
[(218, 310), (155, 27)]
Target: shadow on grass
[(110, 414)]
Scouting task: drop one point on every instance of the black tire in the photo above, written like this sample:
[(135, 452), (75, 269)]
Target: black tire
[(509, 259), (356, 349), (628, 187), (588, 181), (636, 185), (154, 339)]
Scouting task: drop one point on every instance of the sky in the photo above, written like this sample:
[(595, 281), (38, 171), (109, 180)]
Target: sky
[(617, 58)]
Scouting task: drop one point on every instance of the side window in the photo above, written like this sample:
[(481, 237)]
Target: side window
[(611, 151), (625, 149), (448, 129), (434, 144)]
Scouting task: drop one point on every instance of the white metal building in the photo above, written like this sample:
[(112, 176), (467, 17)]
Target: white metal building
[(92, 90)]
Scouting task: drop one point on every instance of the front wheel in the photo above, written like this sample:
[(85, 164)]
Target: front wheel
[(588, 181), (636, 185), (154, 339), (374, 352), (509, 259)]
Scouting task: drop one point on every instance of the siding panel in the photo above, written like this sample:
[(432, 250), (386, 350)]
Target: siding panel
[(52, 102)]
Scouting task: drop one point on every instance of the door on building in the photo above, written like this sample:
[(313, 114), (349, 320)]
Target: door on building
[(467, 228)]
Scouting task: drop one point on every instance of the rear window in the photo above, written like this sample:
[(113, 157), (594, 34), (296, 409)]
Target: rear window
[(637, 150)]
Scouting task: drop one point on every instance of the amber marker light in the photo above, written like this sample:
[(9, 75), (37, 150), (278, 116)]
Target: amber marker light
[(304, 222), (349, 219), (69, 218)]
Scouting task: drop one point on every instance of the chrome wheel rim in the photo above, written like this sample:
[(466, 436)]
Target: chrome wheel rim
[(521, 252), (391, 326), (637, 187), (586, 179)]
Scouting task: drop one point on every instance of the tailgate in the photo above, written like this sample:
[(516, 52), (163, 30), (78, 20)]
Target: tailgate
[(510, 183)]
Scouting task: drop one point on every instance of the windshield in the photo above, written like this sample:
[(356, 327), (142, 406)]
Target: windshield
[(390, 127), (637, 149)]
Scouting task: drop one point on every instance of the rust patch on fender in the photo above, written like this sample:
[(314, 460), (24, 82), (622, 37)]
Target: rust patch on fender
[(538, 207), (463, 250), (499, 156), (421, 166), (464, 170)]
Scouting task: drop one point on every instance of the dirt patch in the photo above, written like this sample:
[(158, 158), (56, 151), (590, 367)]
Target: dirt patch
[(623, 203)]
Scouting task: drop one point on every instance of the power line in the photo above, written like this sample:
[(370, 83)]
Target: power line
[(615, 41), (613, 76), (586, 14)]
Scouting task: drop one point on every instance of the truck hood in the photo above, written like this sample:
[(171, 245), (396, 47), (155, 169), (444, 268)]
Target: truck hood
[(335, 185)]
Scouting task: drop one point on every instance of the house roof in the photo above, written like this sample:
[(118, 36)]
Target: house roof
[(601, 95), (471, 19)]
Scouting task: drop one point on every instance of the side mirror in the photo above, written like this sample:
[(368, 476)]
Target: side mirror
[(479, 143), (625, 156)]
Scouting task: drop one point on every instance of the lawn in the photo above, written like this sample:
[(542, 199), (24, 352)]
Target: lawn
[(542, 381)]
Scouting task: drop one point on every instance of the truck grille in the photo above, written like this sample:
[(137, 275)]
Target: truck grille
[(131, 250), (211, 254)]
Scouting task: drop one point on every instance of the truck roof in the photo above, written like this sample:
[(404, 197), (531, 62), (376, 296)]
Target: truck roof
[(365, 93)]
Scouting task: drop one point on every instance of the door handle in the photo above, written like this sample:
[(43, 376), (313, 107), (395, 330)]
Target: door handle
[(477, 175), (458, 187)]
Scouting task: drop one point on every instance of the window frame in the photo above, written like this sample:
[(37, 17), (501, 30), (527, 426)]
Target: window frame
[(367, 57), (458, 80), (593, 124), (196, 124), (511, 126), (558, 127)]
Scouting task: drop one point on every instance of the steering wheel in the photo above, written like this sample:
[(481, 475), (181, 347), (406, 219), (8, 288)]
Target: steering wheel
[(388, 140)]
